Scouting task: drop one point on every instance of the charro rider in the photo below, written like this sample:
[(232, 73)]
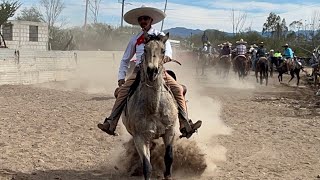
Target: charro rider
[(241, 48), (145, 17), (226, 49)]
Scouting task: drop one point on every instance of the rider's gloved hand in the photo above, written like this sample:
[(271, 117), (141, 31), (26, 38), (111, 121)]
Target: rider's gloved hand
[(120, 82)]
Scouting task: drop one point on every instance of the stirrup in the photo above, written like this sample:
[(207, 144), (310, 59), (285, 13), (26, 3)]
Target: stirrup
[(194, 127)]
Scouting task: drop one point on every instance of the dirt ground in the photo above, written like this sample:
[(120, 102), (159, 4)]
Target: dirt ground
[(48, 131)]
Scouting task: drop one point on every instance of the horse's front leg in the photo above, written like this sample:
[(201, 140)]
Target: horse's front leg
[(266, 76), (168, 157), (256, 73), (298, 76), (292, 76), (261, 77), (143, 149)]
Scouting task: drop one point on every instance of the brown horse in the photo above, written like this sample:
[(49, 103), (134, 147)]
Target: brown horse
[(151, 111), (224, 65), (240, 65)]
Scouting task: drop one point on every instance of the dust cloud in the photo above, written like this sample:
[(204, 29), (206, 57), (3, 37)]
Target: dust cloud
[(197, 156)]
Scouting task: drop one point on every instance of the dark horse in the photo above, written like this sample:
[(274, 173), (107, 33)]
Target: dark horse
[(294, 70), (262, 67), (224, 65), (240, 64)]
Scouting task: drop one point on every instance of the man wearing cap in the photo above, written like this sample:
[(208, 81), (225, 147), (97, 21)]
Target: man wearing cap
[(273, 60), (261, 52), (288, 55), (278, 56), (145, 17)]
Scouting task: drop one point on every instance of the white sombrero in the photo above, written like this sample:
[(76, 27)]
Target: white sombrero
[(227, 43), (132, 16), (241, 42)]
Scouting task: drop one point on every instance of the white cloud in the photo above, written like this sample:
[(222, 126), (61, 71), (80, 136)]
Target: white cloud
[(216, 16)]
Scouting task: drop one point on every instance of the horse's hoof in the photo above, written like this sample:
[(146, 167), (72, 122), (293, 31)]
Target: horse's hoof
[(167, 178)]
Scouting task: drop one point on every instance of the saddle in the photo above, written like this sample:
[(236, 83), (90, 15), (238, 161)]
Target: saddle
[(242, 55), (224, 56), (137, 82)]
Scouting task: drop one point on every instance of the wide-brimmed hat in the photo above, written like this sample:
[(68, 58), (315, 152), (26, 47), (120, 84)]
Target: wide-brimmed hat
[(254, 45), (227, 43), (286, 45), (241, 42), (132, 16)]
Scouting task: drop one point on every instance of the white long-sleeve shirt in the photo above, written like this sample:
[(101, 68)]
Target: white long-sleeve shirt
[(138, 49)]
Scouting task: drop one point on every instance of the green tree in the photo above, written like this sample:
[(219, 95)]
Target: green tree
[(7, 10), (274, 26), (296, 25), (31, 14), (52, 10), (271, 24)]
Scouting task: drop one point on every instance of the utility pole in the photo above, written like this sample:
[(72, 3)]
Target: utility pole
[(122, 13), (86, 15), (165, 8), (233, 21)]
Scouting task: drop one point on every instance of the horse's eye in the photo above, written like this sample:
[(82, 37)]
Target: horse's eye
[(163, 51)]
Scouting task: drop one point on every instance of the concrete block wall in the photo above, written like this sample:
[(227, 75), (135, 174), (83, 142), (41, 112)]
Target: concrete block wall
[(33, 67), (20, 36)]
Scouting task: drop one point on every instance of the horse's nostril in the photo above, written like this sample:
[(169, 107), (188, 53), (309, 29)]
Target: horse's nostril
[(152, 70)]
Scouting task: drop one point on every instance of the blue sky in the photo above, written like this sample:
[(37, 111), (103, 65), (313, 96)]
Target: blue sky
[(199, 14)]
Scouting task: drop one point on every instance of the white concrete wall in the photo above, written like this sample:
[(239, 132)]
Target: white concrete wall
[(87, 68), (33, 67), (20, 39)]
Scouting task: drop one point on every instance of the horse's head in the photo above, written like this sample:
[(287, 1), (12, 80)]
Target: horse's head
[(154, 50)]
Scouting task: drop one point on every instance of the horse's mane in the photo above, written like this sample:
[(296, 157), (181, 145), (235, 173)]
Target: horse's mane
[(153, 37)]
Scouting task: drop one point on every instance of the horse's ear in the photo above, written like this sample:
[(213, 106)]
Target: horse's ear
[(146, 37), (165, 38)]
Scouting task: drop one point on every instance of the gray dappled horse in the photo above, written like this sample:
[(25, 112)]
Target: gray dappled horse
[(203, 62), (151, 111)]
